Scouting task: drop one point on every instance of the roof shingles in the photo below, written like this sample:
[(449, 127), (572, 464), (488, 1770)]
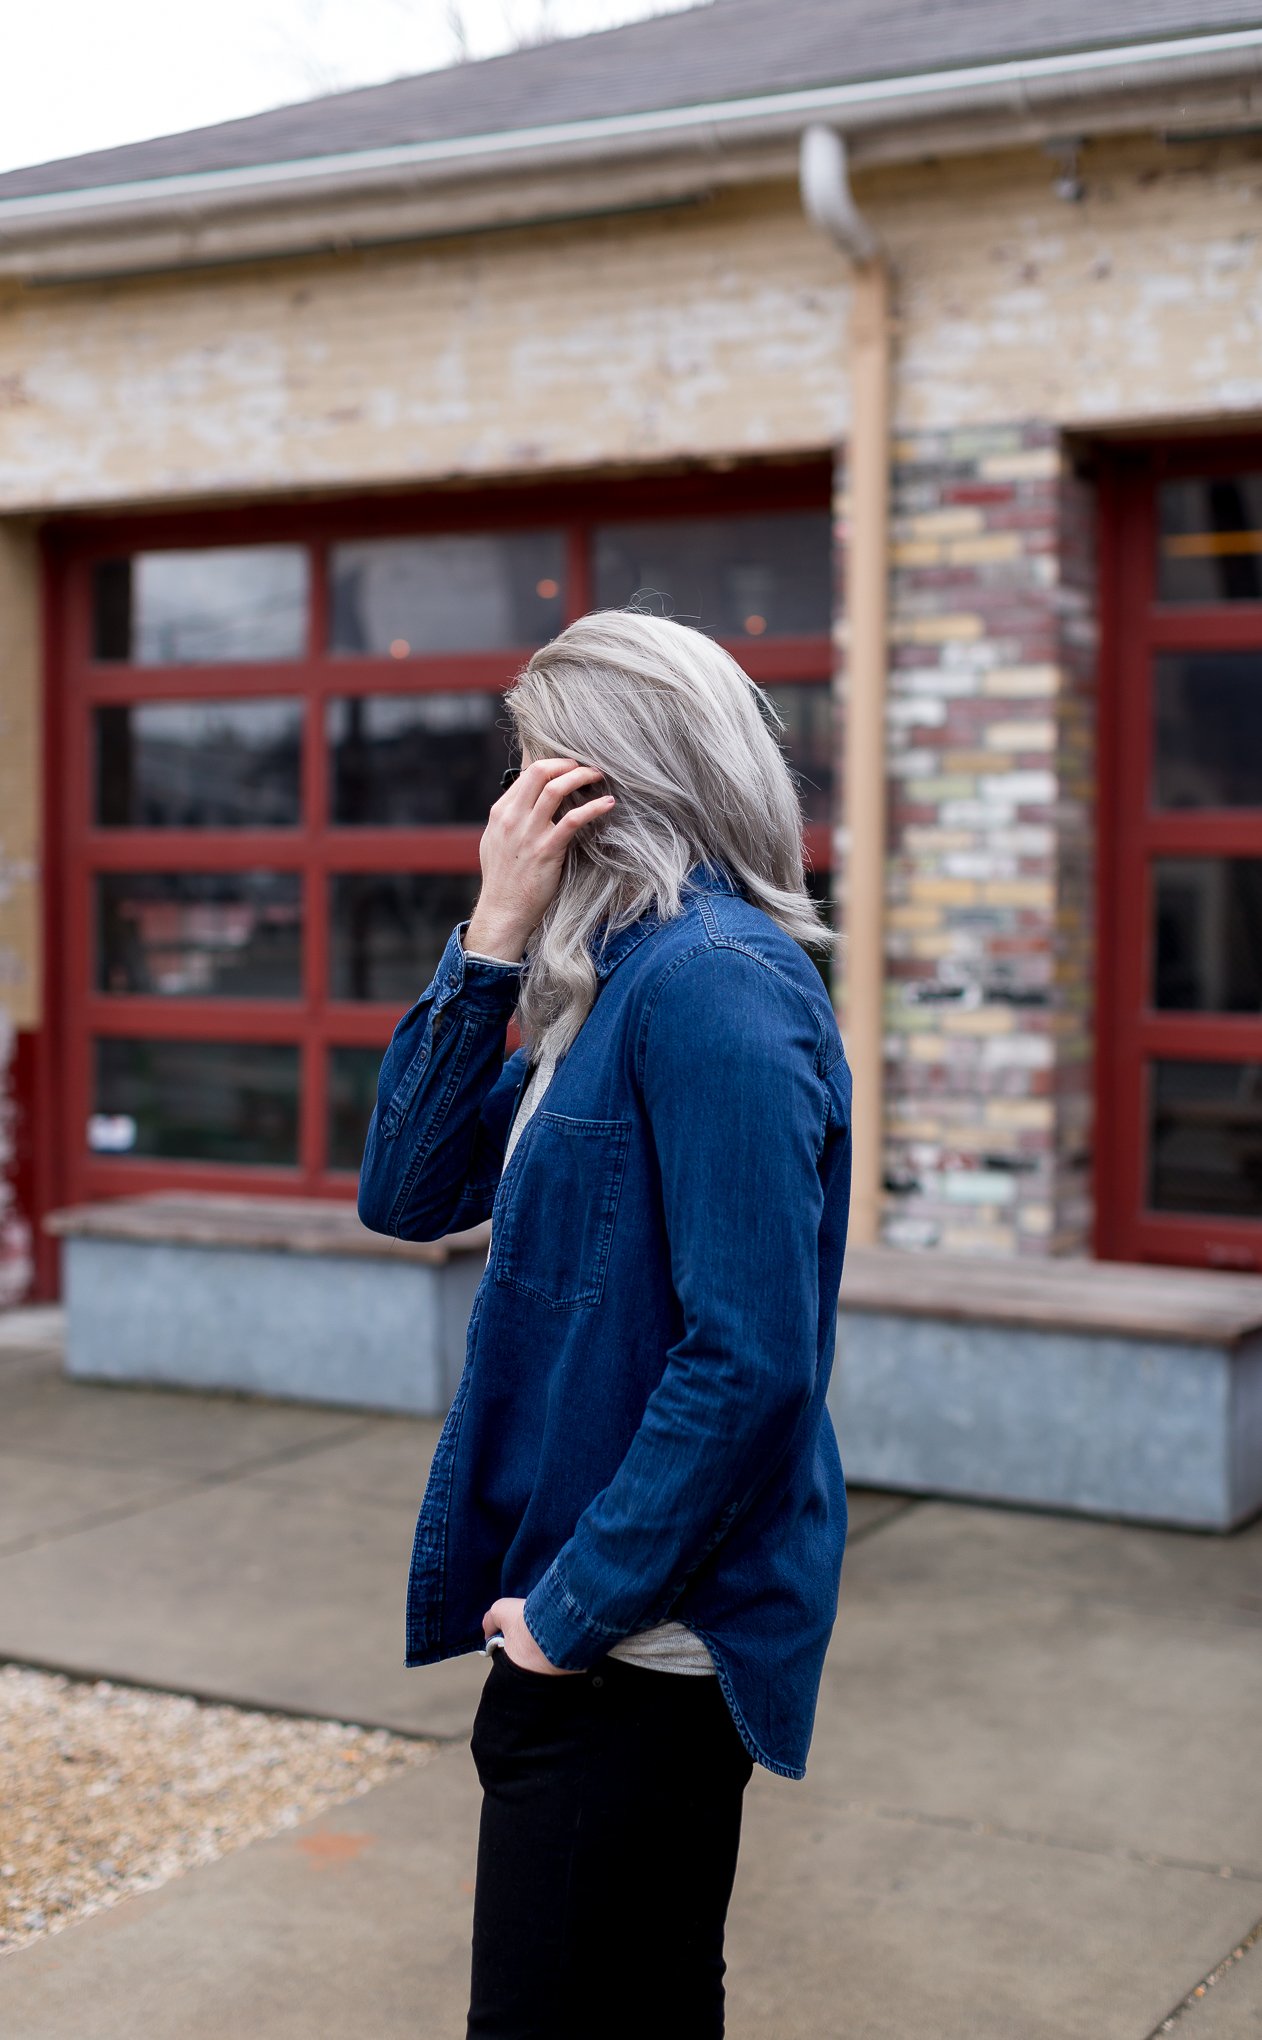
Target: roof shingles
[(727, 50)]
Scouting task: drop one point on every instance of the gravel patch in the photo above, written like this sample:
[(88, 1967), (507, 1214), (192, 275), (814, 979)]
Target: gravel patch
[(105, 1790)]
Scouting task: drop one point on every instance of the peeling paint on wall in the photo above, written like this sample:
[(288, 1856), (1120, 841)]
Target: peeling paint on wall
[(685, 333)]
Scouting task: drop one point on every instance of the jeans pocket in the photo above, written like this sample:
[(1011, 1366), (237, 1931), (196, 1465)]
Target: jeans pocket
[(521, 1671)]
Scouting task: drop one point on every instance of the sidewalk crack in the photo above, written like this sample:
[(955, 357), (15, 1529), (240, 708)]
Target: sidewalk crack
[(1200, 1992)]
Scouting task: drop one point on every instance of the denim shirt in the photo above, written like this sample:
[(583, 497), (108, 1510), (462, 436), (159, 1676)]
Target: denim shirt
[(640, 1430)]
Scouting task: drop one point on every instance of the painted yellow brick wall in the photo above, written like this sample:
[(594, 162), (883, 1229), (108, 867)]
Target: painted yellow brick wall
[(691, 332), (1141, 302), (707, 331)]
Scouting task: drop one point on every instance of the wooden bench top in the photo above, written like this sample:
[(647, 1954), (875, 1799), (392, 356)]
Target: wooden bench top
[(292, 1225), (1066, 1293)]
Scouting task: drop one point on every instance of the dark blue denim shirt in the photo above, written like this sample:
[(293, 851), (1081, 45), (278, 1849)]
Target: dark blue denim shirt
[(640, 1431)]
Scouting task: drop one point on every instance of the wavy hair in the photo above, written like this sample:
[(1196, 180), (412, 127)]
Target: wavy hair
[(685, 741)]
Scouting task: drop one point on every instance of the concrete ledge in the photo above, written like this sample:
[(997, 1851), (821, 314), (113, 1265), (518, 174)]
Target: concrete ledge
[(1133, 1392), (267, 1296)]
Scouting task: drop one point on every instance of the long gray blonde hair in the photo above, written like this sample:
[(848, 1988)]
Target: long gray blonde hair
[(684, 739)]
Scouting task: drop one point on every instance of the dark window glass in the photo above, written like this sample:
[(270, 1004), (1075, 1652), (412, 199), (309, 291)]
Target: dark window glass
[(1207, 739), (200, 934), (389, 930), (731, 576), (199, 765), (1209, 540), (808, 741), (1207, 947), (474, 592), (1206, 1138), (196, 1101), (408, 760), (819, 885), (217, 607), (353, 1074)]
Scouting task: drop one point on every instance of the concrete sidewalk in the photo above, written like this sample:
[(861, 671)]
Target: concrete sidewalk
[(1032, 1810)]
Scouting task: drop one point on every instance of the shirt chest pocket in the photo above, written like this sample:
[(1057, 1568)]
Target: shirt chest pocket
[(553, 1222)]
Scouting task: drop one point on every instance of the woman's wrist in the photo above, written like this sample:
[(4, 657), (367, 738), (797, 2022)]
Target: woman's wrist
[(495, 938)]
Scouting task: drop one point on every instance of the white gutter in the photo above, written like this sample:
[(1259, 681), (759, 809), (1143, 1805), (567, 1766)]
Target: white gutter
[(1028, 85)]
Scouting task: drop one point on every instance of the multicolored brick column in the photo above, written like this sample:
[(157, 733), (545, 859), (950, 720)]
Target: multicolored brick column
[(990, 871)]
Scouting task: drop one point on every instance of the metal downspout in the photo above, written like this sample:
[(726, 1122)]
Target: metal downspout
[(827, 200)]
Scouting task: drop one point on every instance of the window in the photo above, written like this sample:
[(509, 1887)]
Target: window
[(1179, 1157), (280, 753), (213, 606)]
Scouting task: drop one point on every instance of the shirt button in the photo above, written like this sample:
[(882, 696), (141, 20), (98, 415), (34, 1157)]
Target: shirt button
[(597, 1680)]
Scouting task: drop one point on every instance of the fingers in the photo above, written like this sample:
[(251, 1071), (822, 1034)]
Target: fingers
[(588, 812), (558, 784), (547, 781), (522, 795)]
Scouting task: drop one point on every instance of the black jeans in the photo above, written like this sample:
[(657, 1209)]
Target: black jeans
[(611, 1816)]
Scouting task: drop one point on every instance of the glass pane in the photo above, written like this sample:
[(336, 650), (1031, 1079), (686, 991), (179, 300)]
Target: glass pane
[(408, 760), (1207, 739), (475, 592), (212, 608), (808, 742), (199, 765), (201, 934), (196, 1101), (1207, 942), (1206, 1138), (733, 576), (353, 1074), (388, 931), (1209, 543)]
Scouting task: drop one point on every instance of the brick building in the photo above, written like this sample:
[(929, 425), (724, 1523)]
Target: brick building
[(312, 424)]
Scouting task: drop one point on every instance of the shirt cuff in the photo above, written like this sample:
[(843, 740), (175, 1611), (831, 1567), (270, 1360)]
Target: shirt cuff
[(568, 1638), (491, 985)]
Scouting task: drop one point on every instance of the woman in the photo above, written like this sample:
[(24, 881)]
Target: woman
[(637, 1493)]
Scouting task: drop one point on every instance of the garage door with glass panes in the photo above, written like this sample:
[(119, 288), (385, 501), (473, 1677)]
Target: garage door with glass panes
[(279, 744), (1179, 1161)]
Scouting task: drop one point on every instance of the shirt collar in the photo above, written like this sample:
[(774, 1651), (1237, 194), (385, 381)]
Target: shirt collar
[(709, 877)]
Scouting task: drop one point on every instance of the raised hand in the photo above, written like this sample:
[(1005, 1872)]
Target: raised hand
[(522, 852)]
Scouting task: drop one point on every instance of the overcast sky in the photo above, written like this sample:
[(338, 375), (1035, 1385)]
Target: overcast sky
[(87, 74)]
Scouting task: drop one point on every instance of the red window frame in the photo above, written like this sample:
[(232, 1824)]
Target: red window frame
[(1132, 834), (77, 850)]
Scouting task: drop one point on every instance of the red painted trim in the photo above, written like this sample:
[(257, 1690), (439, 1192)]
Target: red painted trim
[(610, 498), (1131, 834), (21, 1082), (1233, 627), (1104, 1153), (48, 1182)]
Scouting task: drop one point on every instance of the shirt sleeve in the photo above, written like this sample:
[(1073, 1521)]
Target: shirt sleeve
[(435, 1143), (738, 1112)]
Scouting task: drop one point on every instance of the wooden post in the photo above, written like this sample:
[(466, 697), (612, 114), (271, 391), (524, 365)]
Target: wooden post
[(864, 813)]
